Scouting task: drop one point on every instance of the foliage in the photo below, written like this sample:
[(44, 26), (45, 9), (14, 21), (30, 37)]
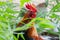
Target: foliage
[(8, 20), (10, 0), (55, 18), (56, 8), (22, 2)]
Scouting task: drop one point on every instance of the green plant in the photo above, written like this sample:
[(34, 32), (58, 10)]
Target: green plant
[(8, 20), (22, 2)]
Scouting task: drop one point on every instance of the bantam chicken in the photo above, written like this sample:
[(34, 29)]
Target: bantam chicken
[(28, 16)]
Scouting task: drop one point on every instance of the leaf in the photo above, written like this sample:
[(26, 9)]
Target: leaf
[(54, 16), (45, 23), (22, 2), (2, 3), (26, 26), (6, 20), (52, 32), (56, 8), (22, 36), (8, 10), (2, 37), (10, 0), (58, 29), (2, 19), (41, 22), (22, 12), (9, 16), (15, 38)]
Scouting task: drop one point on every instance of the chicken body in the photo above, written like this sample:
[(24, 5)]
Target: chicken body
[(31, 32)]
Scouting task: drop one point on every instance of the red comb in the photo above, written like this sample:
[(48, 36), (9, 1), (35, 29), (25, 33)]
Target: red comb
[(31, 7)]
